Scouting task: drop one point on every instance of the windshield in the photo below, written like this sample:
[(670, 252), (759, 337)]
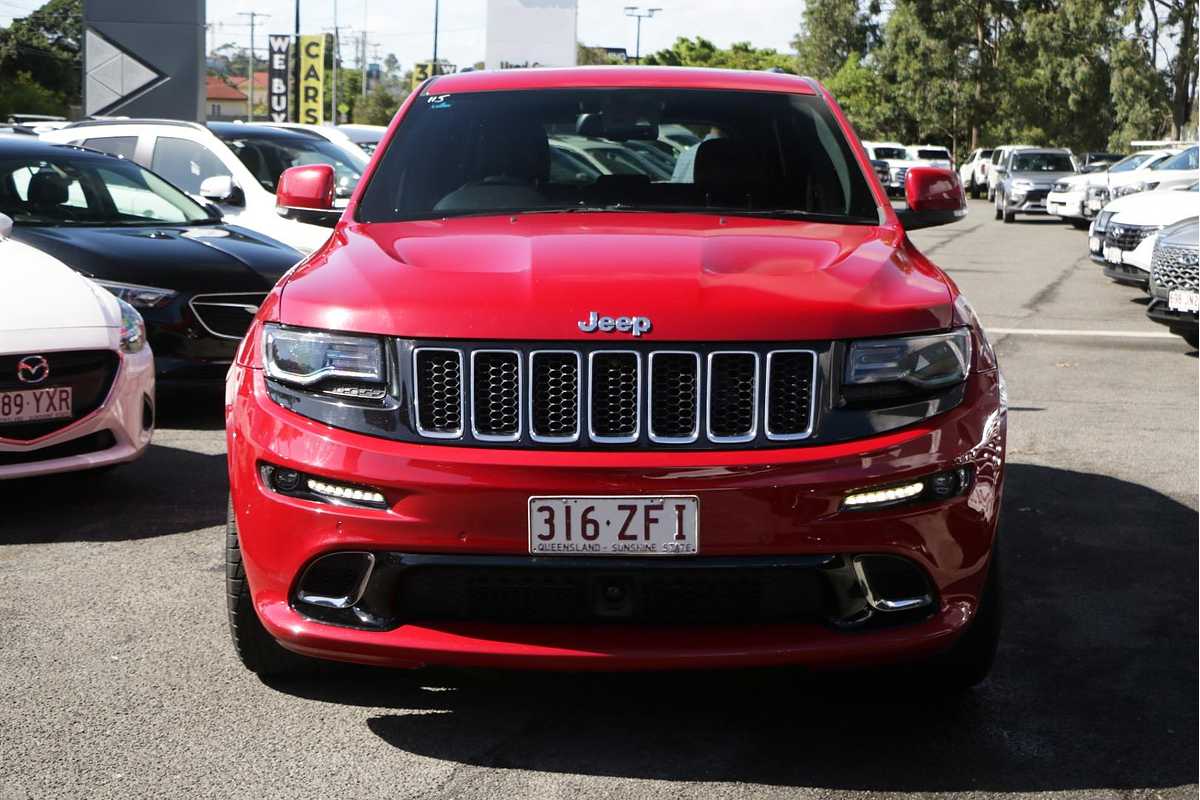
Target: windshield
[(1042, 162), (1186, 160), (1129, 163), (267, 154), (894, 153), (490, 152), (91, 190)]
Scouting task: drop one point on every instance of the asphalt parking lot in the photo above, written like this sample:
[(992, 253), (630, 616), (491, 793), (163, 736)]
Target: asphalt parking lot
[(117, 678)]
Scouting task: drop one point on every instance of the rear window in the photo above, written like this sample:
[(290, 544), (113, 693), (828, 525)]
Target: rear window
[(1185, 160), (894, 153), (933, 154), (985, 154), (490, 153)]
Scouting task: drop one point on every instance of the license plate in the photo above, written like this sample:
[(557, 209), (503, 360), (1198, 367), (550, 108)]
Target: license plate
[(1180, 300), (663, 525), (1112, 255), (30, 405)]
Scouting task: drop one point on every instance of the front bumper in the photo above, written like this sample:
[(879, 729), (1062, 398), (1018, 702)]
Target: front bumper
[(115, 433), (472, 502), (1069, 205), (1127, 266)]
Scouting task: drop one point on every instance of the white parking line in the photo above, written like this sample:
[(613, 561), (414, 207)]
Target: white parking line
[(1088, 333)]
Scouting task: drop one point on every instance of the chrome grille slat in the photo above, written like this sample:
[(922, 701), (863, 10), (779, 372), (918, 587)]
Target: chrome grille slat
[(615, 399), (643, 396), (1170, 267), (496, 390), (439, 391)]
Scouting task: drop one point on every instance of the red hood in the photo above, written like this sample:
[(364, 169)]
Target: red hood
[(535, 276)]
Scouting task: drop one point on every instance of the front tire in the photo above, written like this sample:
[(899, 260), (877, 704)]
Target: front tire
[(255, 648), (1080, 224), (999, 209), (968, 662), (1009, 217)]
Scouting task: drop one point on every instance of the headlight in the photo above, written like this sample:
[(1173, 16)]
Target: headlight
[(307, 357), (926, 363), (137, 295), (133, 328), (1129, 188), (1101, 223)]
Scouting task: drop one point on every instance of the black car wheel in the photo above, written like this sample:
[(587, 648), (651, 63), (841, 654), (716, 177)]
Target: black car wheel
[(255, 648), (999, 209)]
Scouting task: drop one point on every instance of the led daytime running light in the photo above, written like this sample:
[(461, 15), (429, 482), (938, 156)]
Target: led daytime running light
[(344, 492), (889, 495)]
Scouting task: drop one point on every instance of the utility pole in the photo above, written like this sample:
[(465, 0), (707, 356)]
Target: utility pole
[(337, 48), (362, 64), (433, 69), (296, 54), (250, 65), (641, 14)]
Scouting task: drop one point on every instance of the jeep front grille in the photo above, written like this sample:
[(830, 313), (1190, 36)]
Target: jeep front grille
[(608, 396)]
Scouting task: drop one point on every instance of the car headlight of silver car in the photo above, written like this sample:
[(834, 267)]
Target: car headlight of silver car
[(133, 328), (305, 357), (137, 295), (908, 366)]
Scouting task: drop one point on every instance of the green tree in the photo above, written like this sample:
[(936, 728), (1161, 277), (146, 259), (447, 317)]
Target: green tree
[(585, 55), (20, 93), (45, 45), (700, 52), (832, 31), (1139, 95), (865, 97), (379, 107)]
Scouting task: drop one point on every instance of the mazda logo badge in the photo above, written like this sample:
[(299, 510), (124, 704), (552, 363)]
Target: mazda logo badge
[(33, 369)]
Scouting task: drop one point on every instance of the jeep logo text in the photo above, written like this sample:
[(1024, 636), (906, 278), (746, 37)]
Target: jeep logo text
[(635, 325)]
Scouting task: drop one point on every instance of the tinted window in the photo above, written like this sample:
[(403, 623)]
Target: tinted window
[(123, 146), (90, 191), (985, 154), (268, 153), (1131, 162), (1042, 162), (185, 163), (896, 153), (489, 152), (1185, 160), (933, 155), (997, 156)]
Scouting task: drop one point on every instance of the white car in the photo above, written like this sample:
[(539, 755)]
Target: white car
[(1181, 169), (930, 155), (232, 165), (333, 134), (1122, 237), (76, 373), (895, 155), (1078, 198), (973, 172), (1119, 184)]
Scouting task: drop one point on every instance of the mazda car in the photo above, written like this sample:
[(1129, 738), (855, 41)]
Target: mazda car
[(618, 422), (196, 280)]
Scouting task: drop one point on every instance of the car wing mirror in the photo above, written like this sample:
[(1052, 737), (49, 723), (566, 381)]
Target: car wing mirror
[(305, 194), (6, 225), (222, 189), (934, 196)]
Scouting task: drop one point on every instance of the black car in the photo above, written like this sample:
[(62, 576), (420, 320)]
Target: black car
[(196, 280)]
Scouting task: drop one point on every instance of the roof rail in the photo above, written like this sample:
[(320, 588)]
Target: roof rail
[(92, 123)]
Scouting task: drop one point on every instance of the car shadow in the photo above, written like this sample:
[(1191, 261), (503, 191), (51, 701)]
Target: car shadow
[(1094, 687), (168, 490), (199, 409)]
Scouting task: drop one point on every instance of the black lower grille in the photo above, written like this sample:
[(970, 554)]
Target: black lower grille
[(651, 596), (615, 378), (1036, 196), (733, 395), (227, 315), (92, 443), (439, 392), (555, 388), (89, 373)]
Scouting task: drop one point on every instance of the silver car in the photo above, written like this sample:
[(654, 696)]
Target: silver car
[(1026, 177)]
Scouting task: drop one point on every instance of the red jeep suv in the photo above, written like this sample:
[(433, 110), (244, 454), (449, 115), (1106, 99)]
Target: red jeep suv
[(617, 368)]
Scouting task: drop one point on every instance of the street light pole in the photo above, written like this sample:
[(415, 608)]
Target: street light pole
[(641, 14), (337, 47), (433, 69), (296, 53)]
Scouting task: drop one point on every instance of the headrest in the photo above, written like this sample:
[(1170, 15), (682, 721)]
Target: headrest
[(47, 188), (727, 162)]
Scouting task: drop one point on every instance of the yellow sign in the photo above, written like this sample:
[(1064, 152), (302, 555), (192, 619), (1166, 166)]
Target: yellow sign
[(312, 79), (421, 71)]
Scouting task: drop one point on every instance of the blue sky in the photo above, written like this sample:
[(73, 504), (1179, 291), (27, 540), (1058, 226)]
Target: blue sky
[(405, 27)]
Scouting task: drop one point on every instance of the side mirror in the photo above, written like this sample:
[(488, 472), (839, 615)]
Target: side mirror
[(934, 196), (221, 189), (5, 226), (305, 194)]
